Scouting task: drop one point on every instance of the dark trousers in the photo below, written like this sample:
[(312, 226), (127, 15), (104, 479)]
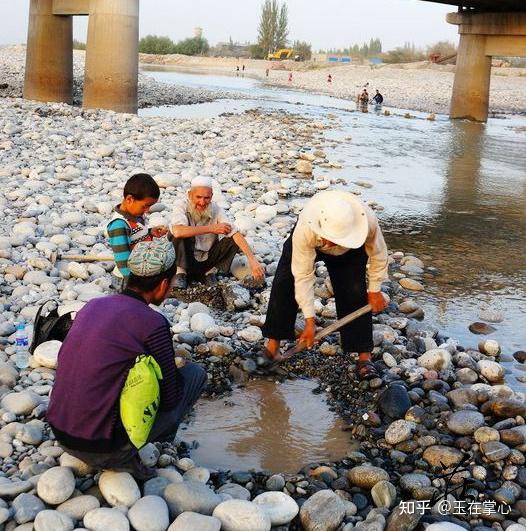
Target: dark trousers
[(348, 277), (220, 256), (166, 423)]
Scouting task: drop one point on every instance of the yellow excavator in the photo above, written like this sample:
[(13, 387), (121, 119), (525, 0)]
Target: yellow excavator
[(282, 53)]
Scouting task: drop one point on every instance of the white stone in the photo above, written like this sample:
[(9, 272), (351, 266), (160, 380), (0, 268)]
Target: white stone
[(77, 270), (21, 403), (491, 370), (164, 180), (191, 496), (201, 321), (46, 354), (279, 507), (53, 521), (240, 268), (435, 359), (411, 284), (251, 334), (36, 277), (265, 213), (149, 514), (445, 526), (104, 519), (241, 515), (197, 473), (77, 507), (399, 431), (237, 492), (197, 307), (489, 347), (189, 521), (119, 488), (56, 485)]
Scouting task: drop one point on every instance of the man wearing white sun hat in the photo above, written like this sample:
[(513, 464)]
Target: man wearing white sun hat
[(337, 228)]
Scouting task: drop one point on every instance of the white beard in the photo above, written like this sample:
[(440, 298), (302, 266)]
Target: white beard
[(200, 217)]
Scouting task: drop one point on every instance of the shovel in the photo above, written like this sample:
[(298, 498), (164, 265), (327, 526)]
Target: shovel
[(300, 345), (54, 256)]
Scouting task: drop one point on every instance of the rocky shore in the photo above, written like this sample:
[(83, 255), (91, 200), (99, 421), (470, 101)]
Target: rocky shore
[(439, 440), (151, 92)]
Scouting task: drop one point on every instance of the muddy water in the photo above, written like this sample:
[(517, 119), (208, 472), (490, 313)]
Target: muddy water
[(266, 426)]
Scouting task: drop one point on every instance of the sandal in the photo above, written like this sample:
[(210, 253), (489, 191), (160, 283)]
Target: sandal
[(366, 370)]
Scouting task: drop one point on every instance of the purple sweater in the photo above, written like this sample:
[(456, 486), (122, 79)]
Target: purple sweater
[(93, 363)]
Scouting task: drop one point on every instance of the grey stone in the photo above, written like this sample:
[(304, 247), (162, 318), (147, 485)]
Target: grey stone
[(384, 494), (56, 485), (149, 514), (402, 519), (465, 422), (236, 491), (10, 489), (279, 507), (275, 482), (494, 451), (21, 403), (189, 521), (394, 401), (156, 486), (53, 521), (77, 507), (26, 507), (323, 511), (399, 431), (192, 496), (104, 519), (241, 515), (119, 488)]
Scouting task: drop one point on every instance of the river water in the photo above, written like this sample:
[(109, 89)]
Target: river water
[(453, 192)]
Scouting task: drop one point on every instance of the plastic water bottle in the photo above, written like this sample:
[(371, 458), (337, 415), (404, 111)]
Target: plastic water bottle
[(21, 346)]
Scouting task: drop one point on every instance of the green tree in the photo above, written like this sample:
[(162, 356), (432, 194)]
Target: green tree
[(282, 28), (192, 46), (156, 45), (303, 49), (78, 45)]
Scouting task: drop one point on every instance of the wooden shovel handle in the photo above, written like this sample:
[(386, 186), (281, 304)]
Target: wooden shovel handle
[(300, 345), (85, 258)]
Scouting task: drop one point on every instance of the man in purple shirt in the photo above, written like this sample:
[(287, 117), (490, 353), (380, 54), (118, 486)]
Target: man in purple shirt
[(106, 337)]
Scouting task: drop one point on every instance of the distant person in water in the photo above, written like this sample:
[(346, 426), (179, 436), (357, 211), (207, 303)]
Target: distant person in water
[(378, 98), (243, 68), (329, 79), (290, 77), (267, 71)]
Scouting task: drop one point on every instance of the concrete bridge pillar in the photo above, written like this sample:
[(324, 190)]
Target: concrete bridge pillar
[(111, 73), (472, 79), (49, 55), (482, 35)]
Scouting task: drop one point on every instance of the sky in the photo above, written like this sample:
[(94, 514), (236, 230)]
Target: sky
[(324, 23)]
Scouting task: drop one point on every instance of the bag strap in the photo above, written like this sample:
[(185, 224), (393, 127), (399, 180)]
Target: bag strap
[(37, 324)]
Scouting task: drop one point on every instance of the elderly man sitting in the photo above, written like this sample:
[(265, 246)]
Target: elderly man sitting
[(210, 239)]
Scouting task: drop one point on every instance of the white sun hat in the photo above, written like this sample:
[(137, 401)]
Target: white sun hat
[(338, 217)]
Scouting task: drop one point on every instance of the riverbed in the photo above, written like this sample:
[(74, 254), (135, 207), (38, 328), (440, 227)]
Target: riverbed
[(453, 192)]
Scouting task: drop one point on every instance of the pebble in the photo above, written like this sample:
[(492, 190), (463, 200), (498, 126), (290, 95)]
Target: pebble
[(491, 370), (241, 515), (46, 354), (104, 519), (394, 401), (411, 284), (21, 403), (275, 482), (189, 521), (192, 496), (149, 514), (76, 508), (279, 507), (465, 422), (56, 485), (251, 334), (53, 521), (323, 511), (236, 491), (119, 488), (437, 454), (399, 431), (201, 322), (384, 494), (26, 507), (435, 359), (79, 467), (366, 476)]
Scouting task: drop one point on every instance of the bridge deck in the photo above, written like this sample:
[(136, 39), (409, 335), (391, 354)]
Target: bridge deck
[(486, 5)]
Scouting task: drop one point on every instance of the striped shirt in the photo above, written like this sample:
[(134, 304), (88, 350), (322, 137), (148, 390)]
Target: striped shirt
[(124, 232)]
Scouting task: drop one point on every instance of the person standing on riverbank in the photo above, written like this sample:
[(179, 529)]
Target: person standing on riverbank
[(210, 240), (378, 98), (337, 228)]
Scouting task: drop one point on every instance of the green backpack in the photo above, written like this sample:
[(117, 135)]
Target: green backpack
[(140, 399)]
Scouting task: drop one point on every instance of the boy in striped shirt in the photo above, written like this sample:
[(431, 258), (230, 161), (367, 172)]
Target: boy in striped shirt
[(128, 226)]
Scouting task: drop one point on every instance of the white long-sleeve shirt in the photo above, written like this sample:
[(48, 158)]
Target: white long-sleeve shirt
[(305, 243)]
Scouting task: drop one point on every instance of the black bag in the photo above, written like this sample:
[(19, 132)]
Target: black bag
[(50, 326)]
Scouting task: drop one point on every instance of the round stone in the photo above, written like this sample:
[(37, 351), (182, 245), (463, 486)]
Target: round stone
[(399, 431), (56, 485), (412, 482), (491, 370), (486, 434), (490, 347), (384, 494), (119, 488), (192, 496), (435, 359), (76, 508), (465, 422), (46, 354), (241, 515), (79, 467), (104, 519), (149, 514), (324, 510), (411, 284), (201, 321), (197, 473), (26, 507), (189, 521), (438, 454), (275, 482), (394, 401), (279, 507), (21, 403), (53, 521), (251, 334), (236, 491), (366, 476), (494, 451)]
